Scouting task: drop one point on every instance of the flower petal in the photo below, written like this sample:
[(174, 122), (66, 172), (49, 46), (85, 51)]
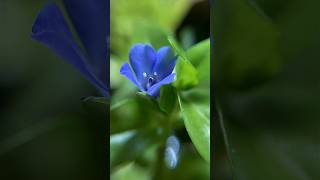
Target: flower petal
[(142, 58), (127, 72), (90, 19), (155, 89), (51, 29), (166, 60)]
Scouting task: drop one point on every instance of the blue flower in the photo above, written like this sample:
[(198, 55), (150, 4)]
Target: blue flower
[(90, 19), (149, 69)]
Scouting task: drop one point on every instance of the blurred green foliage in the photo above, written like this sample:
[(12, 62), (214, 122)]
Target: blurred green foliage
[(266, 82), (144, 21)]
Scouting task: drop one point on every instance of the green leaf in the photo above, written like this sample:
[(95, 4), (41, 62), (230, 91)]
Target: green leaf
[(177, 48), (199, 55), (199, 52), (196, 116), (193, 66), (198, 95), (186, 74), (197, 123), (204, 73), (168, 99)]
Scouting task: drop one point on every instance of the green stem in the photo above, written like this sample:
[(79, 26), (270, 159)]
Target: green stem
[(168, 126), (158, 169)]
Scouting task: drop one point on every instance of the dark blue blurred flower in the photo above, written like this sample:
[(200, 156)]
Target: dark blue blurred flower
[(150, 69), (90, 19)]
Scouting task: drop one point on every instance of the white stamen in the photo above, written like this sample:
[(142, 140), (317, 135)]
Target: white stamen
[(155, 73), (144, 74)]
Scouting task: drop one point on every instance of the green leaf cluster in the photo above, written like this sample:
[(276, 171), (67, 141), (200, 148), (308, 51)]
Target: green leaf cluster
[(193, 77)]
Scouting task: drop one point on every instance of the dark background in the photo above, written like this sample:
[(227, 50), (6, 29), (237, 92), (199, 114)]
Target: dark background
[(267, 89)]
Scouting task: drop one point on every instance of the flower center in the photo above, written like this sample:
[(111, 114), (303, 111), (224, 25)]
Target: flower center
[(150, 79)]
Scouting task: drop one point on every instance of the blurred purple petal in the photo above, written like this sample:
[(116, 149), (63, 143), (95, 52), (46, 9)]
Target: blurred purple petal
[(51, 29), (127, 72), (91, 20)]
